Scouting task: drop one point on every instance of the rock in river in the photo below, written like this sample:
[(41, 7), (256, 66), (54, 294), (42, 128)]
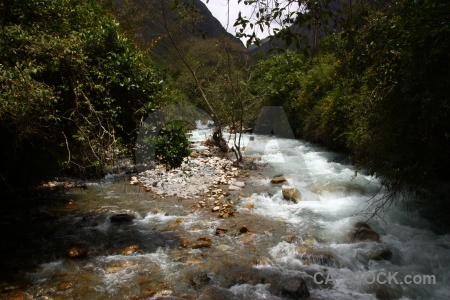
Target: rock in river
[(221, 231), (121, 218), (199, 278), (240, 184), (360, 224), (294, 288), (234, 188), (363, 234), (202, 242), (278, 180), (65, 286), (291, 194), (130, 250), (77, 252), (249, 205), (381, 254)]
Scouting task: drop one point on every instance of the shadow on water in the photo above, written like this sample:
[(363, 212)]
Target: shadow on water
[(38, 231)]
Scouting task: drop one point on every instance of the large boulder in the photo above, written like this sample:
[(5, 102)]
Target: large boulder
[(291, 194), (121, 218)]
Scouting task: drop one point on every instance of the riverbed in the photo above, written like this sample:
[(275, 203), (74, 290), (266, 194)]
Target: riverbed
[(171, 247)]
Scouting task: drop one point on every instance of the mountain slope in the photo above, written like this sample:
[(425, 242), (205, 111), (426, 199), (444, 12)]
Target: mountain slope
[(150, 21), (307, 37)]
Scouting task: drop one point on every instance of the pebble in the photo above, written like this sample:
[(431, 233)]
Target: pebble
[(234, 188), (178, 182), (239, 184)]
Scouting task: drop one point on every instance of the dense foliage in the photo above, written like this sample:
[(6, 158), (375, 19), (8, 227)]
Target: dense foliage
[(71, 87), (379, 89), (74, 90)]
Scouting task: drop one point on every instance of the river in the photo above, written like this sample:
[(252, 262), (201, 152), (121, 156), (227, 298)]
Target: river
[(285, 240)]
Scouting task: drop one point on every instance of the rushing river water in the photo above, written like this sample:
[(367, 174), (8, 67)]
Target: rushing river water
[(306, 240)]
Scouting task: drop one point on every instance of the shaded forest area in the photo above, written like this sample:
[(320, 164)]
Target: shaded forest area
[(78, 77)]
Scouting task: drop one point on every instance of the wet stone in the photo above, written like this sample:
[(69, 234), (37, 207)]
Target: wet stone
[(291, 194), (382, 254), (234, 188), (240, 184), (262, 261), (77, 252), (193, 261), (134, 180), (290, 238), (20, 297), (360, 224), (185, 244), (295, 288), (249, 205), (203, 242), (227, 211), (130, 250), (223, 247), (246, 239), (122, 218), (244, 229), (120, 266), (64, 286), (9, 288), (199, 278), (221, 231), (363, 234)]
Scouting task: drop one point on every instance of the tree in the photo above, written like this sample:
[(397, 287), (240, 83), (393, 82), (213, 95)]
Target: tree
[(210, 70), (223, 69), (379, 90), (72, 88), (403, 57), (277, 81)]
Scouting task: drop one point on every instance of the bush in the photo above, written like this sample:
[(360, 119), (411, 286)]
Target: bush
[(72, 88), (172, 145)]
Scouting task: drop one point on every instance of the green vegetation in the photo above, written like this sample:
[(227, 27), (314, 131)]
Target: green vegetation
[(215, 74), (72, 89), (379, 90), (171, 145)]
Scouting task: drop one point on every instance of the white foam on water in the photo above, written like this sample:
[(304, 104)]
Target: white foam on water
[(258, 291), (158, 218), (344, 194)]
